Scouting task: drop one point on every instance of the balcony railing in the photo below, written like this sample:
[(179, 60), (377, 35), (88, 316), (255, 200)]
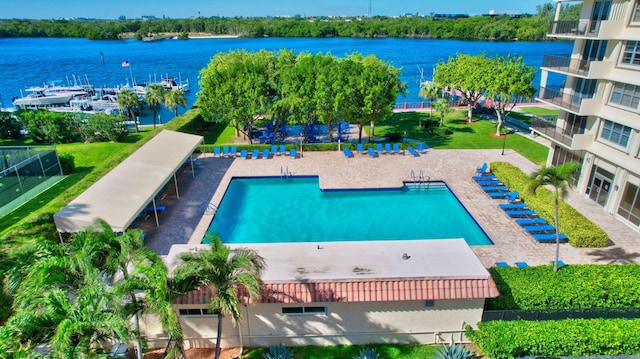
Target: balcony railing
[(562, 99), (548, 127), (566, 64), (589, 28)]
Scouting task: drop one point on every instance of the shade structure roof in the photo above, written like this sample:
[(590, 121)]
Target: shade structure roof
[(119, 196)]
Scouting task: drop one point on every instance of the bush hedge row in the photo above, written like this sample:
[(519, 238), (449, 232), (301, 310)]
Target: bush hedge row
[(580, 231), (570, 337), (574, 286), (190, 122)]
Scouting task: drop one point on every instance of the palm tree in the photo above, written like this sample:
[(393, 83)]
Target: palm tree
[(155, 96), (223, 270), (128, 99), (443, 107), (560, 178), (430, 91), (173, 99)]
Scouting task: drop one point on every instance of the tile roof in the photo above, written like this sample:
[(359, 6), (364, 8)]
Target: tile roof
[(360, 291)]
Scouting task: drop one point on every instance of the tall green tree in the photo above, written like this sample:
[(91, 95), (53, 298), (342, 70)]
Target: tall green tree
[(129, 100), (173, 99), (464, 75), (561, 179), (430, 91), (510, 79), (443, 107), (155, 96), (223, 270)]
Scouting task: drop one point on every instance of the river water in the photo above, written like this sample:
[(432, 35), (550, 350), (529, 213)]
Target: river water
[(26, 62)]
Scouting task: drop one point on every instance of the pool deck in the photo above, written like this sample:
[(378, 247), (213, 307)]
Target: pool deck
[(185, 220)]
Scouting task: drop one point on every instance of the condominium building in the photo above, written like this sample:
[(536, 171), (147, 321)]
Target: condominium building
[(599, 102)]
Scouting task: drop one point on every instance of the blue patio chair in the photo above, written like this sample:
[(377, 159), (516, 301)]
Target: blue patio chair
[(216, 152), (396, 148), (490, 182), (225, 151), (482, 170), (360, 148), (495, 188), (512, 205), (519, 213), (282, 150), (243, 154), (512, 196), (484, 178), (531, 221), (379, 147), (233, 152), (421, 147), (372, 152), (549, 237), (347, 152), (412, 151), (537, 229), (387, 148), (522, 264), (255, 153), (502, 264), (293, 153), (265, 153), (274, 150), (158, 208), (498, 195)]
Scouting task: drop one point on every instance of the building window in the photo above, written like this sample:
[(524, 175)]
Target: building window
[(635, 16), (625, 95), (629, 207), (631, 54), (615, 133), (304, 310), (195, 312)]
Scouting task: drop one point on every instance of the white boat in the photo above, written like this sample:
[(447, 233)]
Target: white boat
[(169, 83), (40, 98)]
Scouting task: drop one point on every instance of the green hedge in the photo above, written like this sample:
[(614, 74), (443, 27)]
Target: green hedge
[(189, 122), (570, 337), (580, 231), (574, 286)]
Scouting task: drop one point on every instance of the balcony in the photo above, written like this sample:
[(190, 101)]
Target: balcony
[(548, 127), (563, 99), (582, 28), (566, 64)]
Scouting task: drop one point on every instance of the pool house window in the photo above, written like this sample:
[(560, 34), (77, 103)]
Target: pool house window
[(615, 133), (195, 312), (631, 54), (625, 95), (304, 310), (629, 208)]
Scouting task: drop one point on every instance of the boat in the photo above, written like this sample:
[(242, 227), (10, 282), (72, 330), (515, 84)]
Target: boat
[(169, 83), (40, 98)]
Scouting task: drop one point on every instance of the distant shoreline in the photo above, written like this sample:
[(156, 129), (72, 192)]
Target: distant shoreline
[(203, 36)]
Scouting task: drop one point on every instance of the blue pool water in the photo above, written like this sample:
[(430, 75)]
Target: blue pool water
[(269, 210)]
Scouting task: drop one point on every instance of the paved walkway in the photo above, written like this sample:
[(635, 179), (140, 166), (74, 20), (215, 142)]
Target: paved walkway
[(185, 220)]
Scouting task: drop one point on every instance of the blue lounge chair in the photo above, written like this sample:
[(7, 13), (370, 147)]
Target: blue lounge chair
[(265, 153), (502, 264), (293, 153), (482, 169), (495, 188), (497, 195), (216, 152), (560, 263), (512, 197), (372, 152), (412, 151), (522, 213), (549, 237), (255, 153), (421, 147), (541, 228), (158, 208), (484, 178), (282, 150), (233, 152), (225, 151), (243, 154), (506, 206), (490, 182), (347, 152), (379, 147), (359, 148), (396, 148), (387, 148), (522, 264), (531, 221), (274, 150)]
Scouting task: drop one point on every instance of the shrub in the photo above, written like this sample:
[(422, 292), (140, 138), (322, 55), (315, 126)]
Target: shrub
[(9, 126), (580, 231), (278, 352), (570, 337), (455, 351), (101, 127), (394, 137), (190, 122), (441, 131), (575, 286), (51, 127), (67, 162)]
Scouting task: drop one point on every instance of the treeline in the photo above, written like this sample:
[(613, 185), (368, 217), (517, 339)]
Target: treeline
[(526, 27)]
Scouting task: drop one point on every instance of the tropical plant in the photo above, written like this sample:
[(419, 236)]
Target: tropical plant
[(155, 96), (430, 91), (129, 100), (455, 351), (278, 352), (221, 269), (443, 107), (173, 99), (560, 178), (367, 353)]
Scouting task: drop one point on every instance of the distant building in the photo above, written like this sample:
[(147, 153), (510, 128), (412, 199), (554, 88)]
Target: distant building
[(147, 17), (599, 102), (449, 16)]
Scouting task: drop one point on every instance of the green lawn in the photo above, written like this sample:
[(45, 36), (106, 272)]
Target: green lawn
[(386, 351)]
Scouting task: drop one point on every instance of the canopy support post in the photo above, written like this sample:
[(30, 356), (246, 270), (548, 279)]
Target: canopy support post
[(175, 181), (155, 212)]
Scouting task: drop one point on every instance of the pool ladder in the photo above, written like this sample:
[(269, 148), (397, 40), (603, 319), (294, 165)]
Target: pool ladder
[(420, 181), (211, 208), (284, 172)]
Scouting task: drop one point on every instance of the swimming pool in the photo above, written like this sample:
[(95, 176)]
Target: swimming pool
[(271, 210)]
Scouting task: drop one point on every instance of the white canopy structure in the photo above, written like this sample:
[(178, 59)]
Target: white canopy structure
[(126, 190)]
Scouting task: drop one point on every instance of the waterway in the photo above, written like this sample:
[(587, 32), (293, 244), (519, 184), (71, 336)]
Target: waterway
[(26, 62)]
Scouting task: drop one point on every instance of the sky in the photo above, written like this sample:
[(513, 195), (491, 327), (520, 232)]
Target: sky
[(132, 9)]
